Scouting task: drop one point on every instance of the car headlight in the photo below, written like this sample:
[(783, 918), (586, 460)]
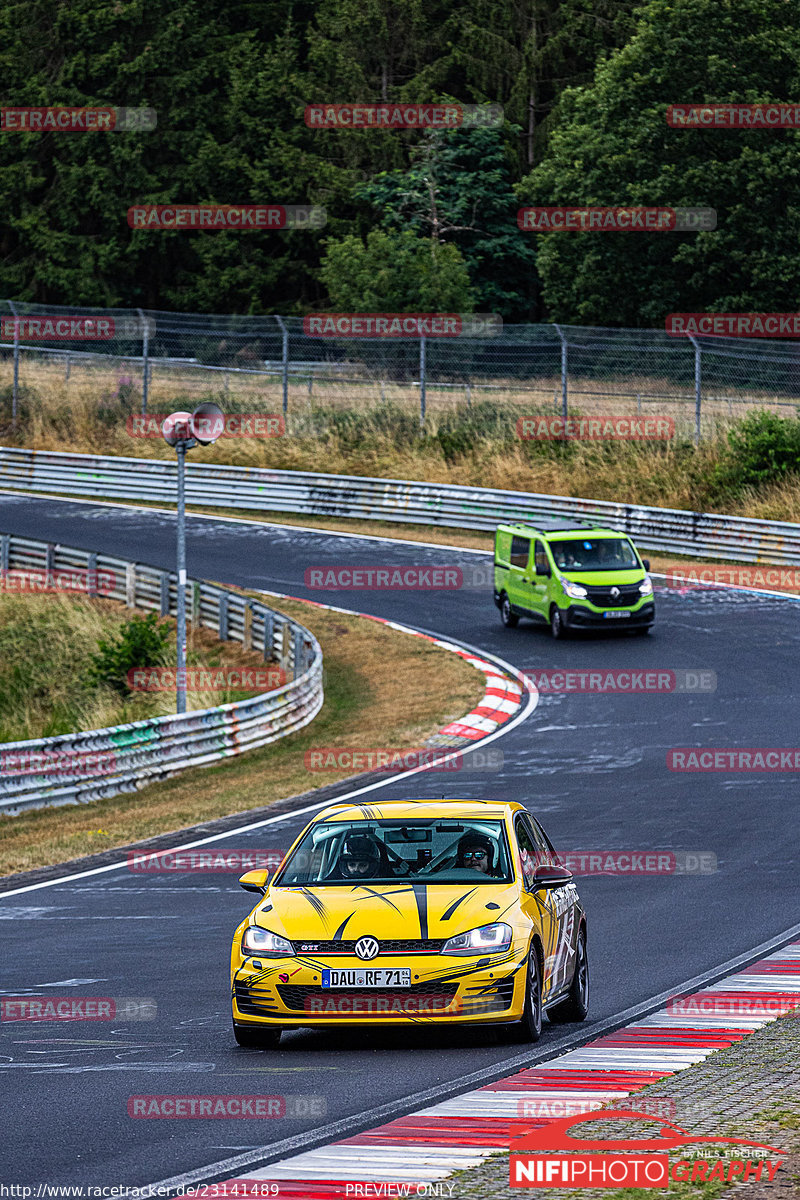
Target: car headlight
[(646, 586), (574, 590), (489, 939), (263, 942)]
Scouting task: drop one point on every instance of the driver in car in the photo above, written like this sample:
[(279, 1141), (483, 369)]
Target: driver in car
[(360, 858), (475, 852)]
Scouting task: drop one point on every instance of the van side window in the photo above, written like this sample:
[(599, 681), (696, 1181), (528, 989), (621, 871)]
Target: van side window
[(520, 551), (540, 555)]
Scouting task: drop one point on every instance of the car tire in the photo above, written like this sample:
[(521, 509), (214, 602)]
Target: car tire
[(256, 1037), (529, 1028), (509, 618), (576, 1005), (557, 627)]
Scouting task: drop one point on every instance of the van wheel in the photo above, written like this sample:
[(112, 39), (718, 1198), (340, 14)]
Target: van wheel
[(557, 627), (509, 618)]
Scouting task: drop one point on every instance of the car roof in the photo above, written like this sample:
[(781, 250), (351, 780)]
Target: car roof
[(421, 809), (548, 527)]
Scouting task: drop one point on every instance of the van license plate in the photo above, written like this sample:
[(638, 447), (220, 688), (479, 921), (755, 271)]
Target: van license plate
[(616, 614)]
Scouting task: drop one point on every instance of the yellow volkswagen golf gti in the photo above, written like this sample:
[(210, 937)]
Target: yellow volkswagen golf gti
[(409, 912)]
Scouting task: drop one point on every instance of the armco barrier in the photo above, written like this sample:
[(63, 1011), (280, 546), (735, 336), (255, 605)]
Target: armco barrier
[(103, 762), (673, 531)]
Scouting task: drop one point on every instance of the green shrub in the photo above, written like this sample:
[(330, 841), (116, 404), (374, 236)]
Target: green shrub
[(763, 448), (142, 642)]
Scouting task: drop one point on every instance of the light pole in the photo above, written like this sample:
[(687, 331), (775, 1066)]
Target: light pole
[(184, 430)]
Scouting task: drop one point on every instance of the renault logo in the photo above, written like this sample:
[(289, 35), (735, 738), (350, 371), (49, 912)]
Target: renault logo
[(367, 948), (615, 592)]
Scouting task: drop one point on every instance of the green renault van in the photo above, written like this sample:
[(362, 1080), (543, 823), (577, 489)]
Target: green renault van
[(571, 575)]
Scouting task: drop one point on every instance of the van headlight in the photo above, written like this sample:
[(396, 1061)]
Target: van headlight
[(646, 586), (264, 943), (488, 939), (574, 590)]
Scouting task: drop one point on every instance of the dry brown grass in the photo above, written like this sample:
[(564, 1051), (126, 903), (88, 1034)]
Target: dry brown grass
[(383, 689)]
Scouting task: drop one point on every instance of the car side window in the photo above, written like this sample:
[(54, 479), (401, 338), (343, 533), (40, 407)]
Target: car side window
[(544, 846), (540, 555), (527, 851), (520, 551)]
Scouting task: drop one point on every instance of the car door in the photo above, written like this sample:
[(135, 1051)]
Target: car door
[(539, 584), (519, 572), (537, 902), (565, 917)]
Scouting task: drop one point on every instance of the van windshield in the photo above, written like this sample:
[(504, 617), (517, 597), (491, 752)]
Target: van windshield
[(594, 554)]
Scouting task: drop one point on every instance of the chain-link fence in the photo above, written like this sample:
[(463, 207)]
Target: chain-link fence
[(153, 361)]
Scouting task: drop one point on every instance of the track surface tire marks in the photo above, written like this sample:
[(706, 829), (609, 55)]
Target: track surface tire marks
[(593, 768)]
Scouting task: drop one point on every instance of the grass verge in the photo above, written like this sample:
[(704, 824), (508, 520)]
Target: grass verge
[(383, 689)]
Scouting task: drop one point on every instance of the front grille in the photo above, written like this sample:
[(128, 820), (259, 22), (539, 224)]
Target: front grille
[(601, 596), (418, 946), (295, 996)]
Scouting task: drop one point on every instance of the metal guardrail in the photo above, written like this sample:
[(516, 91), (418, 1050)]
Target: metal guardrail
[(672, 531), (85, 766)]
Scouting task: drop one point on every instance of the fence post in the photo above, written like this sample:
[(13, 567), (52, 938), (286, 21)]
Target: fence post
[(15, 394), (564, 366), (91, 574), (145, 360), (422, 397), (698, 378), (469, 395), (285, 362), (163, 594), (66, 366), (268, 635)]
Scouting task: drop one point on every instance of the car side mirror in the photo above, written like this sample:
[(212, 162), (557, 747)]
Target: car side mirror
[(543, 570), (646, 564), (550, 877), (254, 881)]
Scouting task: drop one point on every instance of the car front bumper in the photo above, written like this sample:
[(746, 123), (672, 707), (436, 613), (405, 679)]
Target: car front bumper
[(444, 989), (578, 616)]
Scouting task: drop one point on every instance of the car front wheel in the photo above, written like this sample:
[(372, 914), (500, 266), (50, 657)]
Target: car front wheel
[(256, 1037), (576, 1005), (529, 1029)]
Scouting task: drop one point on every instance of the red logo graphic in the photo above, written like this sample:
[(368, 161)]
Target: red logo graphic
[(401, 325), (746, 325), (597, 220), (229, 425), (629, 1167), (596, 429), (733, 116)]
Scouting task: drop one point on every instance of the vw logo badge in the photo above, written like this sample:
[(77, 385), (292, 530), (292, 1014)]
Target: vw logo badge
[(367, 948), (615, 592)]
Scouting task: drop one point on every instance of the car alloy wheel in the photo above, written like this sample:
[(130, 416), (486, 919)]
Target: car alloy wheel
[(576, 1005)]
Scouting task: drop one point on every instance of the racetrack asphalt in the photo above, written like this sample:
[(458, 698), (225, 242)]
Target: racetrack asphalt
[(591, 767)]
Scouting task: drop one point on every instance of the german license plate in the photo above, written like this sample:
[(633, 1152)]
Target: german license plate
[(367, 977), (612, 615)]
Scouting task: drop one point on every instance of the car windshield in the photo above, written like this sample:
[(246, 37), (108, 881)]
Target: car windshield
[(437, 851), (594, 554)]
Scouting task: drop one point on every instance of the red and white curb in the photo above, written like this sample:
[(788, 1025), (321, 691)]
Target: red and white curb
[(501, 700), (429, 1145)]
